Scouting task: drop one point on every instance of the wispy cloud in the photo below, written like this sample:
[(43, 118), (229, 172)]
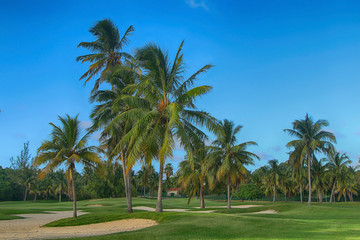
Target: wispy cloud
[(197, 4), (85, 124)]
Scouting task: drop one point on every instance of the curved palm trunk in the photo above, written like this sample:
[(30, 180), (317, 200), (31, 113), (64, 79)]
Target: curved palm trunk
[(159, 197), (25, 193), (73, 192), (228, 194), (127, 183), (309, 177), (301, 193), (202, 200)]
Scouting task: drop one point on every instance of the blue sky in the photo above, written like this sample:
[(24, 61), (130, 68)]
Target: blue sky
[(274, 62)]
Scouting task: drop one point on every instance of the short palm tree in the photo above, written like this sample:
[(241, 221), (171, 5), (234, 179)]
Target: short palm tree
[(319, 177), (226, 160), (311, 139), (163, 109), (192, 173), (145, 174), (106, 50), (68, 147), (274, 175), (337, 168)]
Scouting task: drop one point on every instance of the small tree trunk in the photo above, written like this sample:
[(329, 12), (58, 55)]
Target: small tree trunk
[(332, 193), (320, 196), (25, 193), (144, 190), (309, 178), (60, 196), (159, 196), (73, 192), (285, 195), (228, 194), (274, 195), (301, 193), (127, 183), (202, 201)]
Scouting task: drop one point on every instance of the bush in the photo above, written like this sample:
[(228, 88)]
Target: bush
[(249, 192)]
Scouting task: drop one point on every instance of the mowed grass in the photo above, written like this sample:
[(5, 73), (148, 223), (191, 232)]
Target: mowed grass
[(294, 220)]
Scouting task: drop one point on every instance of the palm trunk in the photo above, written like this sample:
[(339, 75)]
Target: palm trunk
[(320, 196), (144, 190), (60, 196), (274, 195), (73, 192), (127, 183), (309, 177), (159, 197), (202, 201), (285, 195), (228, 194), (301, 193), (332, 193)]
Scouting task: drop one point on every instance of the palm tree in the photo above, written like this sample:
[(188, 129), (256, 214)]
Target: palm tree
[(319, 177), (273, 176), (106, 50), (105, 117), (311, 139), (226, 160), (68, 147), (192, 173), (337, 165), (169, 171), (145, 174), (298, 171), (163, 109)]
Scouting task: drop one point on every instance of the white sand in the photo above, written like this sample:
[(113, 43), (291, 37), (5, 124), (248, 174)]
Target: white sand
[(240, 206), (30, 227), (94, 205), (150, 209), (269, 211)]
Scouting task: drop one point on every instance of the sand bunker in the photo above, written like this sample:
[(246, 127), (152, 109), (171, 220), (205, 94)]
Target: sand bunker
[(30, 227), (94, 205), (240, 206), (269, 211)]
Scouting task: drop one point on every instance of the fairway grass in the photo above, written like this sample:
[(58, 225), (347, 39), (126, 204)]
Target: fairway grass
[(293, 220)]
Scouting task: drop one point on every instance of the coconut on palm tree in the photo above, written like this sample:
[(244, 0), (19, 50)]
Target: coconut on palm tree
[(227, 160), (163, 109), (69, 147), (311, 138), (107, 50)]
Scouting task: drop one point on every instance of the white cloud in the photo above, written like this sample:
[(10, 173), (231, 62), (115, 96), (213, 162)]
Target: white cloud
[(196, 4), (85, 124)]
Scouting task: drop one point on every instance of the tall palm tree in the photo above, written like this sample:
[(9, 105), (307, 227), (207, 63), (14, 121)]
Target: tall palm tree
[(67, 146), (163, 109), (298, 170), (226, 160), (311, 139), (192, 173), (105, 117), (106, 50), (337, 165)]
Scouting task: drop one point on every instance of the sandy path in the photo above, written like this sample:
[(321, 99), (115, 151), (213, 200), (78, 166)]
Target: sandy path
[(30, 227), (240, 206), (150, 209)]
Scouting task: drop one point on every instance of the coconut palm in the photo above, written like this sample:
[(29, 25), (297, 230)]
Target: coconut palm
[(192, 173), (67, 146), (163, 109), (145, 174), (226, 160), (337, 165), (273, 176), (296, 162), (319, 177), (105, 118), (106, 50), (311, 139)]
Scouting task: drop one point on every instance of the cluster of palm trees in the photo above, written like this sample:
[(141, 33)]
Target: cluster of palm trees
[(143, 105)]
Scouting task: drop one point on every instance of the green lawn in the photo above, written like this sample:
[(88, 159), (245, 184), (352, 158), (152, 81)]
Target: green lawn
[(294, 221)]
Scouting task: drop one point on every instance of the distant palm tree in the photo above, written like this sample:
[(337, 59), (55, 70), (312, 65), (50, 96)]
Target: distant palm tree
[(163, 109), (273, 176), (107, 50), (145, 174), (226, 160), (319, 177), (337, 165), (311, 138), (192, 173), (68, 147), (169, 171), (298, 170)]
